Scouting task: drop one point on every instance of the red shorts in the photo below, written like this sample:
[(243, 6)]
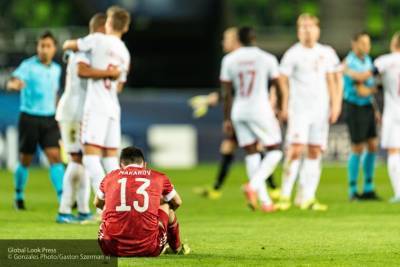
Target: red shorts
[(110, 246)]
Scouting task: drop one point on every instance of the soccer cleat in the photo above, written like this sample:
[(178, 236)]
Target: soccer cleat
[(394, 200), (251, 196), (283, 204), (209, 193), (275, 194), (268, 208), (370, 196), (85, 217), (64, 218), (19, 204), (314, 205), (183, 250)]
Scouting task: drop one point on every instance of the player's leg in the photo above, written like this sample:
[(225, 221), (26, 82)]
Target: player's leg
[(310, 173), (393, 165), (28, 137), (94, 131), (356, 128), (369, 169), (227, 150), (112, 143), (269, 134), (49, 141), (296, 137), (390, 140)]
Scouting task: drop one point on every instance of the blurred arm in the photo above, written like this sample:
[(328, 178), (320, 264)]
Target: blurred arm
[(70, 45), (86, 71), (98, 203)]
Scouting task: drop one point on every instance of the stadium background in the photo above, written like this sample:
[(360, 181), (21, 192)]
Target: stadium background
[(176, 51)]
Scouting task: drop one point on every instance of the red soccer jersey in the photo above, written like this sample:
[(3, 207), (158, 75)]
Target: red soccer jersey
[(130, 217)]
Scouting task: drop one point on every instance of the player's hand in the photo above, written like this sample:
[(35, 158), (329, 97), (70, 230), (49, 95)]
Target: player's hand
[(228, 127), (114, 72), (334, 116), (15, 84), (213, 99)]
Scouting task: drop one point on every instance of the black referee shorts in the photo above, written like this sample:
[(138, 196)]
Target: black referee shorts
[(34, 130), (361, 122)]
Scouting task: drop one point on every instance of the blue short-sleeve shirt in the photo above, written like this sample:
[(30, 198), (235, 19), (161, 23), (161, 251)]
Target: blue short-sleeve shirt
[(350, 92), (42, 83)]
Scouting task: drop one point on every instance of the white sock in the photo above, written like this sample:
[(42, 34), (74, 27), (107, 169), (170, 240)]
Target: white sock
[(265, 169), (290, 172), (83, 191), (393, 165), (253, 162), (311, 173), (95, 170), (70, 179), (110, 164)]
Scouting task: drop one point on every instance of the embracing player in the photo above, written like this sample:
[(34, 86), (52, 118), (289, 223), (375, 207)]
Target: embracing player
[(76, 184), (134, 222), (247, 71), (101, 126), (309, 69), (388, 66)]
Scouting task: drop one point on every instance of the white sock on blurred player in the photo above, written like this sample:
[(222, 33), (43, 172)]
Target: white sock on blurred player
[(393, 165), (310, 173), (95, 170), (110, 164), (69, 187), (83, 191), (252, 164), (265, 169), (290, 172)]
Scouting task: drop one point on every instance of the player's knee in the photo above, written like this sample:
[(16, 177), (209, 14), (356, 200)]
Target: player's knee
[(76, 157), (357, 148), (251, 149), (372, 145), (314, 152)]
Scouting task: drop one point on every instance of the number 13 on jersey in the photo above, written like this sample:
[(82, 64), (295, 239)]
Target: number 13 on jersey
[(141, 190)]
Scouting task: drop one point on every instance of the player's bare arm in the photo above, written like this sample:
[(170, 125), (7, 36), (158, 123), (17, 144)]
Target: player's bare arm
[(86, 71), (365, 91), (98, 203), (227, 89), (335, 106), (282, 83), (15, 84), (70, 45), (175, 202)]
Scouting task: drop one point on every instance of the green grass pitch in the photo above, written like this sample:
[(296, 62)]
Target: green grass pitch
[(225, 233)]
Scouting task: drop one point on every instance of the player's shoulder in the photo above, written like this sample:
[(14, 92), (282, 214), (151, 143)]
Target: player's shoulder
[(157, 173), (385, 57), (30, 60), (266, 55), (327, 48), (56, 66)]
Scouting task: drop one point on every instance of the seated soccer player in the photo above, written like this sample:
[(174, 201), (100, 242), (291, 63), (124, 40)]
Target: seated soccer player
[(139, 210)]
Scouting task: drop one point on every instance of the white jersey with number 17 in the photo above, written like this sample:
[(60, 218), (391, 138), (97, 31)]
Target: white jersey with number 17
[(105, 51), (389, 67), (249, 69)]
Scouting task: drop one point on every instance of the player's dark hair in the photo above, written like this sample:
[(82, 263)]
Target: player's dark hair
[(98, 20), (131, 155), (48, 34), (358, 35), (247, 36)]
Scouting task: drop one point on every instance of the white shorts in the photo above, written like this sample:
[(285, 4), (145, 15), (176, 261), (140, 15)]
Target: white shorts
[(101, 131), (307, 132), (390, 132), (71, 136), (266, 131)]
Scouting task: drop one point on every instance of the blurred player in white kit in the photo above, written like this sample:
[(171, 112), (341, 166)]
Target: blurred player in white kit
[(310, 70), (388, 66), (101, 126), (76, 183), (247, 71)]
